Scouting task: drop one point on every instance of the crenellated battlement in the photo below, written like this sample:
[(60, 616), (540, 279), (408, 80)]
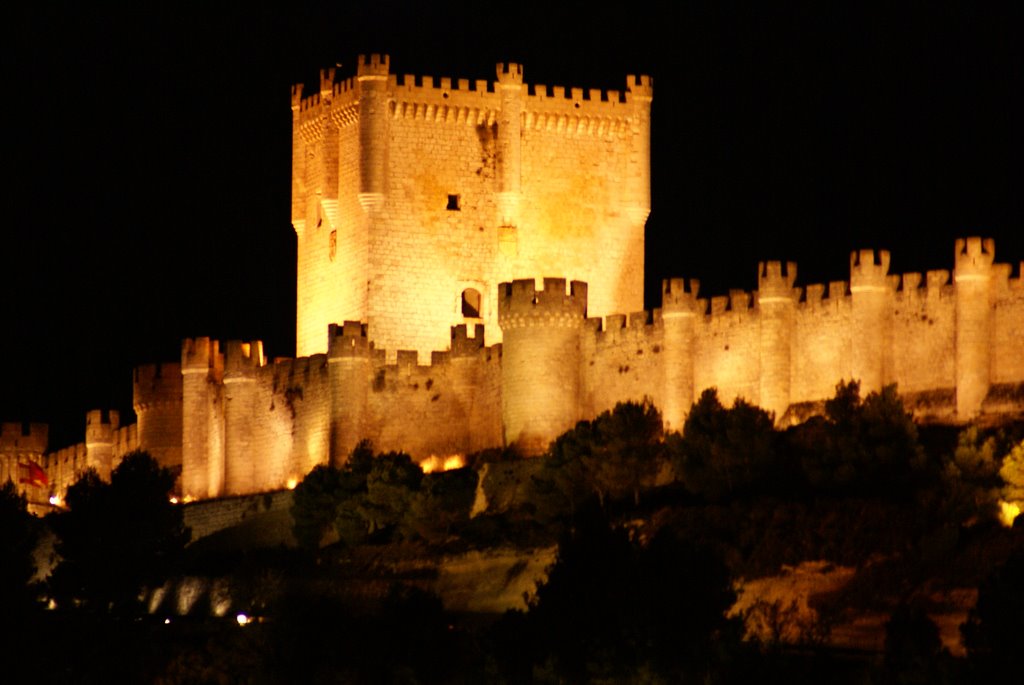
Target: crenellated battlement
[(202, 355), (774, 282), (510, 74), (347, 341), (973, 258), (372, 66), (100, 425), (679, 296), (521, 304), (242, 359), (465, 345), (24, 437), (154, 384), (639, 87), (869, 270)]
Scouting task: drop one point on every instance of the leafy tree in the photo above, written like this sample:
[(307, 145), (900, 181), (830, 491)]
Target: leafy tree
[(971, 476), (18, 537), (867, 446), (442, 503), (612, 608), (724, 452), (994, 631), (1012, 473), (315, 503), (392, 482), (117, 538), (616, 455)]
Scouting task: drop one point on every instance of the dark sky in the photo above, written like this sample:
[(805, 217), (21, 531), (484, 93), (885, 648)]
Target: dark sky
[(148, 154)]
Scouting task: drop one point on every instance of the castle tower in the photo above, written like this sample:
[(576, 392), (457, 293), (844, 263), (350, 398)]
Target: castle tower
[(202, 449), (776, 303), (972, 277), (640, 90), (871, 294), (349, 366), (372, 75), (156, 398), (679, 311), (509, 162), (540, 379), (414, 196), (241, 363), (99, 440)]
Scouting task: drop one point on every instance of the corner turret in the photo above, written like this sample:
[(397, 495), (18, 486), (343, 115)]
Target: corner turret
[(372, 77)]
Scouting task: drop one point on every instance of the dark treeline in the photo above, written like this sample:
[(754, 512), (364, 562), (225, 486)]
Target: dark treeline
[(653, 531)]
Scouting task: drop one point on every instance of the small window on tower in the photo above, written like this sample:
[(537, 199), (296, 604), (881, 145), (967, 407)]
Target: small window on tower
[(454, 204), (471, 303)]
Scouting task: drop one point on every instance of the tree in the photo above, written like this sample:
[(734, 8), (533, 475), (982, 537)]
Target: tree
[(612, 608), (724, 452), (393, 481), (117, 538), (18, 537), (994, 633)]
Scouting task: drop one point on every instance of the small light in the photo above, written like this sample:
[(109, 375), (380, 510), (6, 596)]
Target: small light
[(243, 619), (55, 500), (174, 500), (167, 621), (292, 482)]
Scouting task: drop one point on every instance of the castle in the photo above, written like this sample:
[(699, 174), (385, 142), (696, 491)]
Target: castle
[(427, 211)]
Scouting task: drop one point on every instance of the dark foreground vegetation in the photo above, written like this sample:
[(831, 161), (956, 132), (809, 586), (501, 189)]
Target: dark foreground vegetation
[(653, 533)]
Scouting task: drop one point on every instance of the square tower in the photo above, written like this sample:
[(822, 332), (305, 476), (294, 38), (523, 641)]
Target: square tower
[(413, 199)]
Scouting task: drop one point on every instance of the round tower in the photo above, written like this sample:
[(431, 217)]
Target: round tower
[(202, 440), (640, 93), (972, 278), (510, 88), (540, 368), (776, 304), (156, 398), (99, 440), (678, 315), (242, 361), (349, 366), (372, 77), (871, 314)]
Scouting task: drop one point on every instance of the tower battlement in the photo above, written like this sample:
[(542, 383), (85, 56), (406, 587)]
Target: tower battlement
[(243, 358), (974, 258), (372, 65), (519, 302), (347, 340), (201, 355), (679, 296), (775, 280), (869, 270), (154, 384)]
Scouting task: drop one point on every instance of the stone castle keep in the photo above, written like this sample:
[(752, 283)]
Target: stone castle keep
[(465, 255)]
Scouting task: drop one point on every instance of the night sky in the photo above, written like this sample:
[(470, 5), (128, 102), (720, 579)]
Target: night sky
[(148, 155)]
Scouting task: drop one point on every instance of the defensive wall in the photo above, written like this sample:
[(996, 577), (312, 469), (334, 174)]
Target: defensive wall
[(952, 342), (237, 423), (457, 186)]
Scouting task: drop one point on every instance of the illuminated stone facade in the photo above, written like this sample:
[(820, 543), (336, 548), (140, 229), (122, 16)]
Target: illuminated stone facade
[(425, 210)]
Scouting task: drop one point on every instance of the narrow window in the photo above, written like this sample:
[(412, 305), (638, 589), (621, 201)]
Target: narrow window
[(453, 203), (471, 303)]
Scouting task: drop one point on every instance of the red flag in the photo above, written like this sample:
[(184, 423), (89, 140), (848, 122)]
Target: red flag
[(33, 474)]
